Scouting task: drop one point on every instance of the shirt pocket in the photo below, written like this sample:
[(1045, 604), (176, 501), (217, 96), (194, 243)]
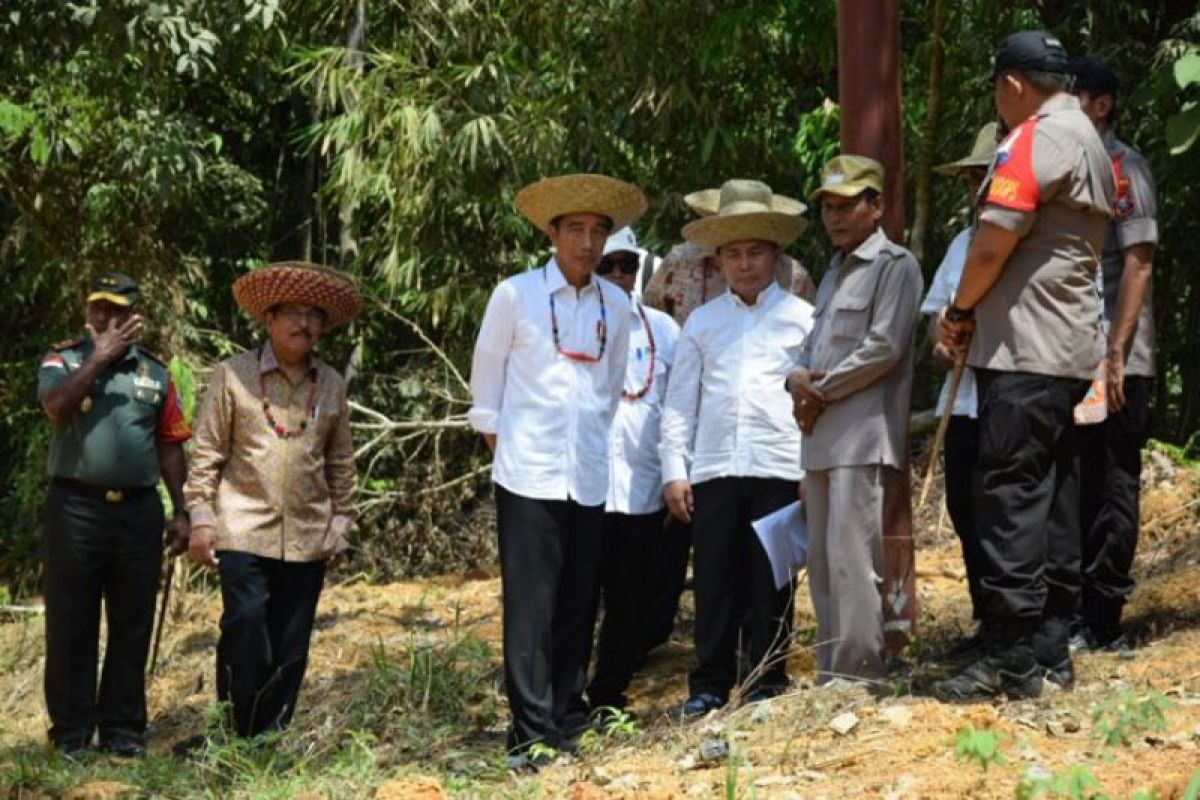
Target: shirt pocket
[(850, 317)]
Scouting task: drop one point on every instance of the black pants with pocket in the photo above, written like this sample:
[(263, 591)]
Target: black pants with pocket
[(549, 565), (958, 462), (733, 574), (1027, 509), (668, 577), (94, 550), (266, 624), (1111, 472)]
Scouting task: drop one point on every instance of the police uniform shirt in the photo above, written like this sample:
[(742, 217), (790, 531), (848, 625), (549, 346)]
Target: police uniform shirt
[(1135, 223), (635, 473), (862, 339), (109, 440), (1051, 184)]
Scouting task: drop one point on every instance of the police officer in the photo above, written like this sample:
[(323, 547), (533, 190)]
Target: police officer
[(118, 429), (1111, 452), (1028, 295)]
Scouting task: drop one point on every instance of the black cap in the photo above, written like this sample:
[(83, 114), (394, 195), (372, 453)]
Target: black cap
[(1094, 76), (114, 287), (1031, 51)]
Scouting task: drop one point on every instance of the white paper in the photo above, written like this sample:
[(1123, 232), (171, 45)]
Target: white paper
[(784, 537)]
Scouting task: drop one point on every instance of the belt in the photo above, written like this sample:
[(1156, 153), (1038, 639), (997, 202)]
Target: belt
[(110, 495)]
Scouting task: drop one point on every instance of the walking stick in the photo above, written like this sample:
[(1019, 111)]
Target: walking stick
[(162, 613), (960, 364)]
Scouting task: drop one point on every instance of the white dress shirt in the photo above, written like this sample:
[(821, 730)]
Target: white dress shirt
[(551, 414), (726, 408), (635, 472), (941, 291)]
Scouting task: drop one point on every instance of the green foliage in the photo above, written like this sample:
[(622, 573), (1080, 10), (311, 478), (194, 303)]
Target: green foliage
[(615, 725), (1184, 127), (980, 746), (1119, 720), (1192, 791), (1076, 782)]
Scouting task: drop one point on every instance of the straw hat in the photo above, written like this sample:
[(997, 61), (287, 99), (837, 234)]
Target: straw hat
[(584, 193), (981, 154), (745, 211), (706, 202), (300, 283)]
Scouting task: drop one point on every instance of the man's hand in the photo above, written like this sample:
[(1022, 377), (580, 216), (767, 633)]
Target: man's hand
[(178, 533), (200, 546), (1114, 378), (954, 336), (110, 343), (490, 440), (807, 400), (943, 355), (678, 495)]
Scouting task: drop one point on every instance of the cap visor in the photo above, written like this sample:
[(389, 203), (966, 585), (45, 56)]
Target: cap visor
[(115, 299), (848, 189)]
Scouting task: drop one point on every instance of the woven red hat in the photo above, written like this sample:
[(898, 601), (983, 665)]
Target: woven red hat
[(299, 283)]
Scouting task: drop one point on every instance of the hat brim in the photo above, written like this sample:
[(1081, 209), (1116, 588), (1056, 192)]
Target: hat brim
[(963, 164), (550, 198), (707, 202), (715, 231), (847, 189), (334, 292), (112, 297)]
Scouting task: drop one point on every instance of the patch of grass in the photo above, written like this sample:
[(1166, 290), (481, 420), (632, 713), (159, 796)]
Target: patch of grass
[(1076, 783), (980, 746), (615, 725), (1121, 719)]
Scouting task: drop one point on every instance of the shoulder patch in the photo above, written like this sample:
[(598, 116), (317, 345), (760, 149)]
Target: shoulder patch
[(67, 344)]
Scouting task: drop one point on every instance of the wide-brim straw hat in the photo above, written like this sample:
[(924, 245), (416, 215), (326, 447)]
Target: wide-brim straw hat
[(707, 202), (299, 283), (746, 211), (584, 193), (981, 154)]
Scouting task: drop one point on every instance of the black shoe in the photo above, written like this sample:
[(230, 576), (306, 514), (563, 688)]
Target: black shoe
[(123, 747), (1082, 641), (528, 764), (697, 706), (73, 750), (970, 646), (988, 677), (1119, 645), (1062, 674)]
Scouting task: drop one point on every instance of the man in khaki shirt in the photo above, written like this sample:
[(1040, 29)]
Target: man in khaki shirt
[(270, 492), (1028, 294), (851, 399)]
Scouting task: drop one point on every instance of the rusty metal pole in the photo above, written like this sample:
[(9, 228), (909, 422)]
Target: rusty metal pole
[(869, 94)]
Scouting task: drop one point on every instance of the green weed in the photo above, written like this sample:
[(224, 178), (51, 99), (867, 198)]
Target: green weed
[(979, 745), (1119, 720), (1076, 783)]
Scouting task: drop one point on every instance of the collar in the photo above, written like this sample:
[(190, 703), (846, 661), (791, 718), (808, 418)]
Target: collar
[(268, 363), (1059, 102), (555, 280), (869, 249), (763, 296)]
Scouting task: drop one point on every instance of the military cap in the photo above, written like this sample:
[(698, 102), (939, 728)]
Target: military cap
[(118, 289), (1032, 51), (1094, 76), (849, 176)]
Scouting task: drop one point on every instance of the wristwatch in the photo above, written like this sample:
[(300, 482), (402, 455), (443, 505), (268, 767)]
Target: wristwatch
[(956, 314)]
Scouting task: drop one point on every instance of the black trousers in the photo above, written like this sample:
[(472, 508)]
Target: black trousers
[(667, 579), (1111, 472), (732, 577), (93, 549), (959, 455), (266, 623), (627, 567), (549, 565), (1027, 511)]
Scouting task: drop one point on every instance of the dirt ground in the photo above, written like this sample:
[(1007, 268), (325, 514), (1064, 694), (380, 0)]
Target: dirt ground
[(899, 742)]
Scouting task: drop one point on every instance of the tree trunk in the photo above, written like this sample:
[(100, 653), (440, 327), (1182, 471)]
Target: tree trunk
[(347, 244), (923, 191)]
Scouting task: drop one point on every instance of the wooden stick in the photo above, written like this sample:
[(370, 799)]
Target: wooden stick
[(162, 612), (935, 450)]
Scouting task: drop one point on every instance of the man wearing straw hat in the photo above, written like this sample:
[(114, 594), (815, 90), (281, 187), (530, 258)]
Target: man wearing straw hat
[(118, 428), (1111, 452), (727, 417), (851, 395), (1026, 307), (546, 379), (270, 492), (633, 513), (962, 433)]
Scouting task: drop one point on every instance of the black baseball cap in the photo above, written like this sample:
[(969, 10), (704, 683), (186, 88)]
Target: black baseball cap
[(1033, 51), (1093, 76), (116, 288)]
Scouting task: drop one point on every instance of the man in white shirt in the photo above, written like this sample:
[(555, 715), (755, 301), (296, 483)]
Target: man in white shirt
[(962, 434), (727, 415), (633, 518), (546, 379), (851, 395)]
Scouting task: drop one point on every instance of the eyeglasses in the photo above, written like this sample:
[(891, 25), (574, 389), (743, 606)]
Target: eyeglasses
[(298, 315), (628, 265)]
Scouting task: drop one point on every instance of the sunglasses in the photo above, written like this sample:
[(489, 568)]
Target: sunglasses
[(628, 265)]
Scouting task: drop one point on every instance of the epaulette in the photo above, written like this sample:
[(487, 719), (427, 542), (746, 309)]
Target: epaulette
[(67, 344), (152, 357)]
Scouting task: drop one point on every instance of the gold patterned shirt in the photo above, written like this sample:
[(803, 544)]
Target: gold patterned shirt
[(280, 497)]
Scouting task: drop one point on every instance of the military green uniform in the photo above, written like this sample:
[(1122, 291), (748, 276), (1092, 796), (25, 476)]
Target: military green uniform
[(103, 539)]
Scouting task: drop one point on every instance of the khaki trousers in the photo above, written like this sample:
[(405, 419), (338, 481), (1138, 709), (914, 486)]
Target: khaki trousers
[(844, 507)]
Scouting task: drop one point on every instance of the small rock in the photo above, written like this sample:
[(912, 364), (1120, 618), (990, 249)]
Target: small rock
[(626, 783), (1070, 724), (1155, 741), (601, 776), (687, 763), (896, 716), (713, 727), (1055, 729), (713, 750), (762, 712), (842, 724)]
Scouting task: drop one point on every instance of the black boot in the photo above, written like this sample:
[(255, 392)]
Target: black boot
[(1008, 668)]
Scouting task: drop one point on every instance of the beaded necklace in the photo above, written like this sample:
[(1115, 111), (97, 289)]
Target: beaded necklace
[(640, 393), (601, 331), (309, 405)]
